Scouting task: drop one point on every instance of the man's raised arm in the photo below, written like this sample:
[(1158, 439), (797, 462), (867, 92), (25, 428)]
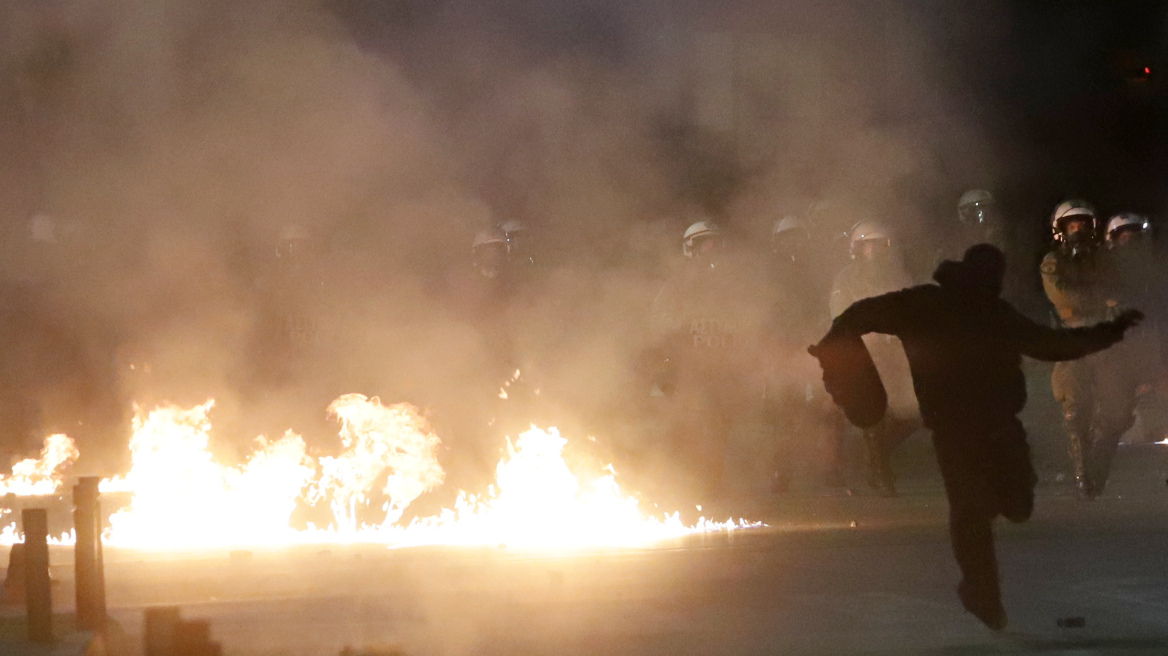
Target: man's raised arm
[(1057, 344)]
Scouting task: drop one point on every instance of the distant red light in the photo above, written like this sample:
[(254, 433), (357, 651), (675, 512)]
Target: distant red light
[(1147, 70)]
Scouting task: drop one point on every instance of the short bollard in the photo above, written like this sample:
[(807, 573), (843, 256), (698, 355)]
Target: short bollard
[(87, 557), (14, 580), (161, 633), (37, 591), (167, 634)]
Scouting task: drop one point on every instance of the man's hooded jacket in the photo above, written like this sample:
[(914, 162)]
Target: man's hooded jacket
[(964, 343)]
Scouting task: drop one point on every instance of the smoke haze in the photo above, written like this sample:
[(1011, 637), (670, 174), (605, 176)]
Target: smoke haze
[(159, 155)]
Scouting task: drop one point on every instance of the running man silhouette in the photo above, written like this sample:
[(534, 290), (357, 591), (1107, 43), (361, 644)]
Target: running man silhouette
[(964, 346)]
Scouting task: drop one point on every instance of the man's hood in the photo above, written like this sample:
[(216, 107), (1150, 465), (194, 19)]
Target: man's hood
[(961, 278)]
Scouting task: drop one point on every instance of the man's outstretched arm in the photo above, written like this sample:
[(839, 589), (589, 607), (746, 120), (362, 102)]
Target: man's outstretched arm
[(1057, 344)]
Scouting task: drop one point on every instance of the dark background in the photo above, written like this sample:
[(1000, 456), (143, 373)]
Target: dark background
[(1062, 89)]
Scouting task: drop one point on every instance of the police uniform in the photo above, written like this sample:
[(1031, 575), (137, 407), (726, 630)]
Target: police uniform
[(866, 279), (708, 318), (1135, 283), (794, 398), (1097, 393)]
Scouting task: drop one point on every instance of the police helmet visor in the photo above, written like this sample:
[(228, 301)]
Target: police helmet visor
[(980, 213), (1127, 233), (707, 243), (789, 241), (490, 253), (1077, 226), (873, 248)]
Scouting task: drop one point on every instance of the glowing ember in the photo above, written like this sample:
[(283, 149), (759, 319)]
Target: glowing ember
[(507, 383), (183, 498), (41, 476)]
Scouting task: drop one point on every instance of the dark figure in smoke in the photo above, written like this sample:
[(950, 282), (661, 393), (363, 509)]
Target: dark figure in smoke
[(288, 334), (1098, 394), (876, 268), (978, 221), (964, 345), (794, 403), (979, 218), (497, 393), (707, 319), (521, 247), (1135, 282), (493, 305)]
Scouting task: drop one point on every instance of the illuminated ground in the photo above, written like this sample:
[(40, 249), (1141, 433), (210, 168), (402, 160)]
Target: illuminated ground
[(883, 587)]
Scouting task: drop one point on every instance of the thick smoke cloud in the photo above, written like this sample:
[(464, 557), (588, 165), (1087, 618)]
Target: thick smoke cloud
[(170, 148)]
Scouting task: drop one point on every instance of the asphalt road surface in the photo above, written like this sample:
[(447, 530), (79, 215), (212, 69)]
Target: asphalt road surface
[(810, 583)]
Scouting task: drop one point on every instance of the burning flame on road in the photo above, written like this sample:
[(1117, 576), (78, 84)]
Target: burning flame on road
[(538, 502), (378, 440), (182, 498), (41, 476)]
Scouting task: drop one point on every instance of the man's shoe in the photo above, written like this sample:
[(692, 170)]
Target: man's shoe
[(985, 607)]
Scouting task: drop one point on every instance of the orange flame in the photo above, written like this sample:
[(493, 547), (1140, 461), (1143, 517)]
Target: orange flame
[(183, 498), (378, 439), (540, 503), (44, 475)]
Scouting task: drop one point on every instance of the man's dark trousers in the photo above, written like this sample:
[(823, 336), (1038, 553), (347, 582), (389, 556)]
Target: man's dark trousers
[(987, 471)]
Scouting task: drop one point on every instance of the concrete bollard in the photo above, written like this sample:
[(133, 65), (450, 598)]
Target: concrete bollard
[(161, 630), (38, 592), (14, 580), (87, 555), (167, 634)]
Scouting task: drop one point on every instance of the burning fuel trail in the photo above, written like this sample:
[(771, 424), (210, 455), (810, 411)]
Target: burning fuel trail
[(180, 497)]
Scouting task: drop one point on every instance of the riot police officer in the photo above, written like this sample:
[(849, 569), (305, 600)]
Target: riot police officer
[(1129, 259), (707, 319), (876, 269), (499, 299), (793, 398), (1130, 267), (521, 247), (489, 253), (1097, 393), (979, 218)]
